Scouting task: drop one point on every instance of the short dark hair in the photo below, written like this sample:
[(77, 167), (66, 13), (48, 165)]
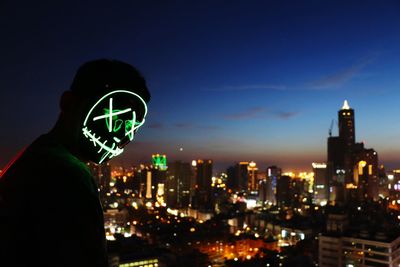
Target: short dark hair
[(102, 75)]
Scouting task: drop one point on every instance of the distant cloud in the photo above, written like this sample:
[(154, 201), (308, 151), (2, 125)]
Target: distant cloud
[(156, 125), (286, 115), (209, 127), (247, 114), (248, 87), (183, 125), (260, 112), (340, 77), (189, 125)]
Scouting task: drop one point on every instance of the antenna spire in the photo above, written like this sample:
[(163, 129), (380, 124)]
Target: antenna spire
[(345, 105)]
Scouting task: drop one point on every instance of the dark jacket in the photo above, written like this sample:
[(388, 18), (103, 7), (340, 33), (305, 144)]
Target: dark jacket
[(50, 213)]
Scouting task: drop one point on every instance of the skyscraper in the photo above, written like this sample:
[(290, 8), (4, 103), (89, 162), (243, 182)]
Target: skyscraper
[(238, 176), (346, 125), (284, 195), (340, 159), (203, 174), (347, 135), (252, 176), (346, 162), (336, 153), (320, 183), (178, 184), (365, 173), (273, 175), (102, 176)]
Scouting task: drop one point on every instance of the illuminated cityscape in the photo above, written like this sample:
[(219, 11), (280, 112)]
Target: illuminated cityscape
[(182, 213), (271, 137)]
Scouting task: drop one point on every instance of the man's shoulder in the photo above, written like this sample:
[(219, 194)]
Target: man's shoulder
[(48, 162)]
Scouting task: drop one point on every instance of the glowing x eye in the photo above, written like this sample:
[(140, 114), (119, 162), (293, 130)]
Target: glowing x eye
[(110, 115)]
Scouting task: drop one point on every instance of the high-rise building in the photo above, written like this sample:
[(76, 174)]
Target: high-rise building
[(231, 181), (238, 176), (366, 173), (203, 175), (149, 185), (242, 175), (262, 191), (273, 175), (140, 180), (154, 183), (321, 186), (336, 153), (284, 195), (347, 135), (364, 247), (252, 170), (102, 176), (346, 125), (346, 160), (178, 184), (340, 148), (153, 178)]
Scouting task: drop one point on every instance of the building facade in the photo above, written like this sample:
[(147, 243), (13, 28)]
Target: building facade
[(352, 169), (203, 176), (321, 186), (357, 252)]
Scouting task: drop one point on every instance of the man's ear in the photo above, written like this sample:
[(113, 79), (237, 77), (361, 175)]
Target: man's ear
[(67, 101)]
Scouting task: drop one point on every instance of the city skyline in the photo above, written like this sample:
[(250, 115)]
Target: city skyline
[(246, 81)]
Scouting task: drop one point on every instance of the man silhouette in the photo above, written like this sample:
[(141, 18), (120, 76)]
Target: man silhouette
[(50, 214)]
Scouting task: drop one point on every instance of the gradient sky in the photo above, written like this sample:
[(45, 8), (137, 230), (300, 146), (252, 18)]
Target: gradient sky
[(230, 80)]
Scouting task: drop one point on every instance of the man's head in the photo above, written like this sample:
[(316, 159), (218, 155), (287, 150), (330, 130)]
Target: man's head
[(105, 106)]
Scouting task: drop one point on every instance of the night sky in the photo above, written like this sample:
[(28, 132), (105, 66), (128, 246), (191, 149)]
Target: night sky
[(230, 80)]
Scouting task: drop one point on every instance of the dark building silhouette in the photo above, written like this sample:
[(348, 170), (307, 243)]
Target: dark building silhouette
[(284, 191), (178, 184), (273, 175), (149, 182), (262, 191), (336, 152), (158, 180), (238, 176), (102, 175), (340, 148), (252, 177), (139, 181), (231, 181), (347, 135), (352, 169), (366, 173), (346, 125), (321, 185), (203, 175)]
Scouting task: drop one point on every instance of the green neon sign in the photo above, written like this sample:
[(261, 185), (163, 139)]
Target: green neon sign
[(160, 162), (112, 122)]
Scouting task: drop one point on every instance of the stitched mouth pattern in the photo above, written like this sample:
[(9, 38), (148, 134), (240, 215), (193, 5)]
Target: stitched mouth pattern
[(110, 152)]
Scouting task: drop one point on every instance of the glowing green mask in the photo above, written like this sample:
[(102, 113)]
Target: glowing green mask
[(112, 121)]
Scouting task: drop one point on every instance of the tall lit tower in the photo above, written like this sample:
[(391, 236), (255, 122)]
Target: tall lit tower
[(346, 125), (352, 169), (347, 135), (252, 182)]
